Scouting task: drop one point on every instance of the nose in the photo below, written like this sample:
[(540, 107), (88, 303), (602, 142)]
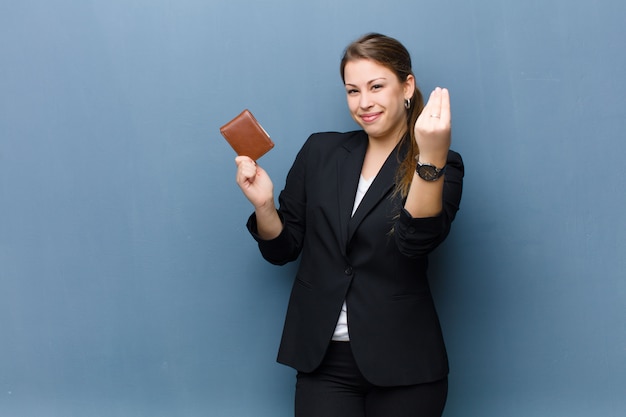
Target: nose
[(365, 101)]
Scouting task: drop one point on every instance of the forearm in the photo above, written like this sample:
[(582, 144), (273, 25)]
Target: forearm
[(419, 232), (424, 198), (268, 222)]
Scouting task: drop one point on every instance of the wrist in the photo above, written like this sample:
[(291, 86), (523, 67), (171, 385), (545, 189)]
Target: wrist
[(266, 207), (438, 161), (429, 171)]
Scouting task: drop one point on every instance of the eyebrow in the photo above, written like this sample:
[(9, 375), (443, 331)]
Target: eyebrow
[(369, 82)]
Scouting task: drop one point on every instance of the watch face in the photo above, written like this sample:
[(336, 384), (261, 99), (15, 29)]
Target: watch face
[(427, 172)]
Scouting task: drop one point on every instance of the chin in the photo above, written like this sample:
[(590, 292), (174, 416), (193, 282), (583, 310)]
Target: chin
[(372, 132)]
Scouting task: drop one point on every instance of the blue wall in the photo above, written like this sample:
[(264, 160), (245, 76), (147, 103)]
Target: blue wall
[(128, 284)]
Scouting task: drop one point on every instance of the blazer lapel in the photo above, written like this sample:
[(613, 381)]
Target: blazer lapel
[(349, 171), (383, 183)]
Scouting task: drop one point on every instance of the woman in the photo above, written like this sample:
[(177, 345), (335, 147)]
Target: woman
[(363, 210)]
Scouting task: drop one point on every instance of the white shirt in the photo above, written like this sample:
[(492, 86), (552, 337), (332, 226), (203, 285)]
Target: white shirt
[(341, 330)]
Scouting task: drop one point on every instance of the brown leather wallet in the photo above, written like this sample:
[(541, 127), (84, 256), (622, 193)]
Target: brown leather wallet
[(246, 136)]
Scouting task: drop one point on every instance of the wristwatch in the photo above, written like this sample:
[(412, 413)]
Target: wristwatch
[(429, 172)]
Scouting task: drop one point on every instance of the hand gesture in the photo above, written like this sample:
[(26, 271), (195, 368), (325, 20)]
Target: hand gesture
[(254, 182), (432, 128)]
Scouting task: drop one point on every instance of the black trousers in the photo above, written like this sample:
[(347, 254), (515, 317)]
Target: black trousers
[(338, 389)]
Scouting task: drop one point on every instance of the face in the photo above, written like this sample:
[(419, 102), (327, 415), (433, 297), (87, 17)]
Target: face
[(376, 98)]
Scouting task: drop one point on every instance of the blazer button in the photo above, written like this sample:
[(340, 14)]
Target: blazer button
[(348, 270)]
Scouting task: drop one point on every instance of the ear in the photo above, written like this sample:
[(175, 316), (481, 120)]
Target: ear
[(409, 86)]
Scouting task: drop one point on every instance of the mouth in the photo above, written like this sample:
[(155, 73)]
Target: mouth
[(370, 117)]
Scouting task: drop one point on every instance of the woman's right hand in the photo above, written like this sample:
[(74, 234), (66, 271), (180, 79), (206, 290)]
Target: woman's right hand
[(254, 182), (258, 188)]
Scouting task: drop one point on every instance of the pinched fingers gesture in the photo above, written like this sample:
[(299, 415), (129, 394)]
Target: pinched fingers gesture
[(432, 128)]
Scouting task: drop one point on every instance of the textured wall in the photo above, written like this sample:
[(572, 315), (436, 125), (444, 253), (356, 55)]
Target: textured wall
[(128, 284)]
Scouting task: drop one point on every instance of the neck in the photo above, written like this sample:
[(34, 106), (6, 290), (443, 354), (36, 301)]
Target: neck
[(387, 143), (378, 151)]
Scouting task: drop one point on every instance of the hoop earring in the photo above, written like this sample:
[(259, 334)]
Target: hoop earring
[(407, 103)]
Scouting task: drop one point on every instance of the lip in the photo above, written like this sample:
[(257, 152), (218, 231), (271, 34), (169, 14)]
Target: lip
[(370, 117)]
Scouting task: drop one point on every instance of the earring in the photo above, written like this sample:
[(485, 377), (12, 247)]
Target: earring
[(407, 103)]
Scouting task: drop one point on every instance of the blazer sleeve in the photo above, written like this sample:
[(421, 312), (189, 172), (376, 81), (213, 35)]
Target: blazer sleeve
[(420, 236), (286, 247)]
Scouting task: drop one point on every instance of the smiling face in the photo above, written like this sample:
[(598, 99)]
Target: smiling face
[(376, 99)]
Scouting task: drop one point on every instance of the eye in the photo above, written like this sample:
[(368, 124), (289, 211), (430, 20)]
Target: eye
[(352, 91), (376, 87)]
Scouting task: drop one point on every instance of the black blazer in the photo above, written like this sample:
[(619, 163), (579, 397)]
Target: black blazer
[(376, 260)]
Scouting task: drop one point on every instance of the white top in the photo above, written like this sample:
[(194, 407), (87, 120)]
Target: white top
[(341, 330)]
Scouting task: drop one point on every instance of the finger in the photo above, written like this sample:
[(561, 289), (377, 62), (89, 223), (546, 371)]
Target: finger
[(435, 103), (245, 164), (243, 158), (246, 170), (249, 171), (429, 104), (445, 106)]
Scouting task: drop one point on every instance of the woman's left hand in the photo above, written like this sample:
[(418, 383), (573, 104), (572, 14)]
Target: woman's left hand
[(432, 128)]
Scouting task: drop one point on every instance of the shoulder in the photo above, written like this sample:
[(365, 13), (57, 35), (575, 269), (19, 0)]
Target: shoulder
[(326, 143), (323, 147), (323, 144), (334, 139)]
